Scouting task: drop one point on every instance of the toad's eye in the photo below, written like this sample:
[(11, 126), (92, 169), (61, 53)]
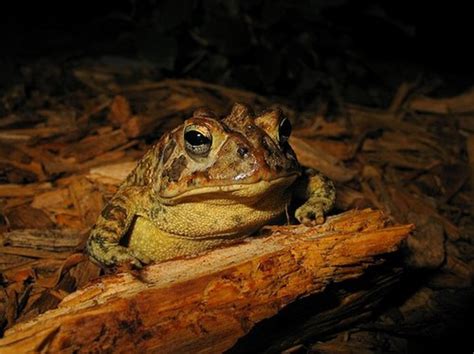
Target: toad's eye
[(284, 131), (197, 141)]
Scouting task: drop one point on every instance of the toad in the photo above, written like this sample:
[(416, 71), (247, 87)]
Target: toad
[(204, 184)]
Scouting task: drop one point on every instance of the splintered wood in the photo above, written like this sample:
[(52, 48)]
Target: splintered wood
[(59, 164), (208, 302)]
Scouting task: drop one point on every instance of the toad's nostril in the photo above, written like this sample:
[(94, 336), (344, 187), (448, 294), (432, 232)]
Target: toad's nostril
[(243, 151)]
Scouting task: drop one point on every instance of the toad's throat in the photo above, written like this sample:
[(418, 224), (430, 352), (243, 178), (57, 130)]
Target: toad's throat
[(210, 218), (236, 191)]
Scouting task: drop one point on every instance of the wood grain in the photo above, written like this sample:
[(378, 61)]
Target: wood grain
[(207, 302)]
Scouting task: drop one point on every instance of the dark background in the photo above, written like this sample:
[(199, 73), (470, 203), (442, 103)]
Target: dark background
[(299, 50)]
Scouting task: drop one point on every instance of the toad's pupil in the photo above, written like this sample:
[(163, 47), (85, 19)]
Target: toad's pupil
[(285, 130), (196, 138)]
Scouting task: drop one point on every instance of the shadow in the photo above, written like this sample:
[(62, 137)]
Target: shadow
[(319, 316)]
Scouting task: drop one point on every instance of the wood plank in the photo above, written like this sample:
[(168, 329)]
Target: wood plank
[(207, 302)]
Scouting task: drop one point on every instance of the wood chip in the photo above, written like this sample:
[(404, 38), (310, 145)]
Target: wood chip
[(18, 190), (312, 156), (56, 199), (120, 111), (96, 145), (87, 199), (463, 103), (51, 240), (113, 173), (29, 252), (27, 217)]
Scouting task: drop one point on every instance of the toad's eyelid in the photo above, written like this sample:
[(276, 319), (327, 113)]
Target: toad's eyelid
[(199, 128)]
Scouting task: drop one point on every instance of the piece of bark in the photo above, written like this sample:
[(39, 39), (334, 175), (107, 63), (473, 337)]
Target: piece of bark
[(84, 272), (426, 248), (12, 261), (120, 111), (348, 198), (49, 240), (420, 205), (322, 128), (87, 199), (142, 124), (14, 168), (114, 156), (55, 200), (310, 155), (24, 216), (16, 272), (365, 120), (95, 145), (190, 89), (32, 253), (111, 174), (22, 190), (206, 303), (402, 93), (402, 160), (399, 141), (52, 163), (28, 135), (69, 220), (451, 178), (463, 103), (11, 119), (341, 150)]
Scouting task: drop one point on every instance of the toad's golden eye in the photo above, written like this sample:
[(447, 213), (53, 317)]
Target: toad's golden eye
[(284, 131), (198, 141)]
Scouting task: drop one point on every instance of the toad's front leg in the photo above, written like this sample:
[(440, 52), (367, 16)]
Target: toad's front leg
[(103, 244), (320, 196)]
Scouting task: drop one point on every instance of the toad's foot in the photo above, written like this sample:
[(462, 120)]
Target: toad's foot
[(312, 212), (115, 255)]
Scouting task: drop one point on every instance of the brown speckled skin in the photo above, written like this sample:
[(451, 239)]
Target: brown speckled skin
[(175, 203)]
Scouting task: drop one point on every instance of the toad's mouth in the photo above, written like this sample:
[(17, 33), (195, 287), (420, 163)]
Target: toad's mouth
[(234, 191)]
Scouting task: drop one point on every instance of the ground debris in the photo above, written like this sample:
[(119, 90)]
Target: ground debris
[(59, 168)]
